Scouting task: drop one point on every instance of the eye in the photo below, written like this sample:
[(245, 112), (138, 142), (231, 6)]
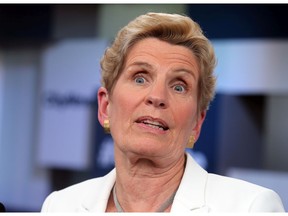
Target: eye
[(139, 80), (179, 88)]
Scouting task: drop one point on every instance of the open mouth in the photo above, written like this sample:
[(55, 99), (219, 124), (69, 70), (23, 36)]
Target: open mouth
[(153, 123)]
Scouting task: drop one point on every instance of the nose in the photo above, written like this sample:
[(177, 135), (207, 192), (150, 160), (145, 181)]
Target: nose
[(157, 96)]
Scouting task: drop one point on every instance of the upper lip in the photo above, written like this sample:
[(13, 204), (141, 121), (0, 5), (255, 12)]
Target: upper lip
[(153, 121)]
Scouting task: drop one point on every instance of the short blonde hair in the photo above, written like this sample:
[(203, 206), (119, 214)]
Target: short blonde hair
[(172, 28)]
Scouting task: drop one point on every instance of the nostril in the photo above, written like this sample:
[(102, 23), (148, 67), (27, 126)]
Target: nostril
[(153, 101), (150, 102)]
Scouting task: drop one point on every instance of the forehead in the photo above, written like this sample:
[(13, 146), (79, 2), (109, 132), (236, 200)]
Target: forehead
[(158, 50)]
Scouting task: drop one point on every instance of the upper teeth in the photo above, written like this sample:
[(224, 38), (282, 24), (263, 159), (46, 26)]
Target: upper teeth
[(154, 124)]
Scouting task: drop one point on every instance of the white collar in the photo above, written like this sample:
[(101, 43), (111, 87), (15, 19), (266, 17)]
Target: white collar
[(189, 197)]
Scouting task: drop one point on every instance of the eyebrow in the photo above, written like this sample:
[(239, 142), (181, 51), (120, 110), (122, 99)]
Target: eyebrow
[(187, 71), (144, 65), (148, 66)]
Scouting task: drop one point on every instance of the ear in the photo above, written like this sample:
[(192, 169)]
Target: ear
[(198, 126), (103, 104)]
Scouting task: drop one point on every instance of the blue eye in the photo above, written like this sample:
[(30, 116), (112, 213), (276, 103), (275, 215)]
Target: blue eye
[(139, 80), (179, 88)]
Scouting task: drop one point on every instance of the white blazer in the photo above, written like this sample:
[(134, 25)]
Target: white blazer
[(198, 191)]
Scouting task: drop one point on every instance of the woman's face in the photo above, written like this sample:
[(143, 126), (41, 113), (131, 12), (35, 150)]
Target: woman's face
[(153, 106)]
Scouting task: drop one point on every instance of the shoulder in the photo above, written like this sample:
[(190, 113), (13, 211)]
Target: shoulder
[(226, 192), (81, 188), (218, 181), (79, 196)]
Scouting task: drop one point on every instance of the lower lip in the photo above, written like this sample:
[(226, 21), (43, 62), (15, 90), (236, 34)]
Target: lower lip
[(151, 129)]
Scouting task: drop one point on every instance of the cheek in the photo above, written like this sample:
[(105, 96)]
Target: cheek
[(187, 116), (120, 105)]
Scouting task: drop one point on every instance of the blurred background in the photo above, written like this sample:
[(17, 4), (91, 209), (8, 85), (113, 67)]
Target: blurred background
[(50, 137)]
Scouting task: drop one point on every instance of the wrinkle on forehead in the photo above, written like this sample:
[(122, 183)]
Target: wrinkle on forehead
[(166, 53)]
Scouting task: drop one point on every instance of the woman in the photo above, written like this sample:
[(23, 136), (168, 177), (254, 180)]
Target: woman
[(157, 85)]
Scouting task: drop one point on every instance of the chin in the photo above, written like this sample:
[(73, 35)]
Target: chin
[(149, 150)]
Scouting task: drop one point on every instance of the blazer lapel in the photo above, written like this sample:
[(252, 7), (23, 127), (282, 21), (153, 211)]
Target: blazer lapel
[(96, 200), (191, 192)]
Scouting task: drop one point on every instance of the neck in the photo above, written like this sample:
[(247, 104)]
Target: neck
[(143, 185)]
